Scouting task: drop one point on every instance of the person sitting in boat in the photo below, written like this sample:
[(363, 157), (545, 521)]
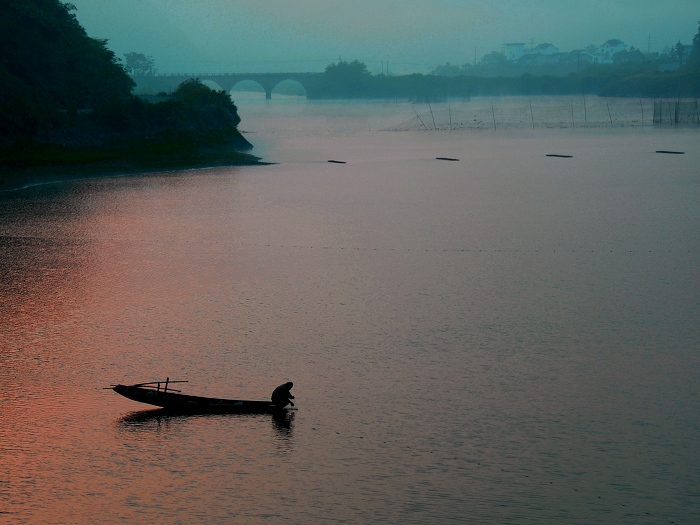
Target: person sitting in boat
[(282, 396)]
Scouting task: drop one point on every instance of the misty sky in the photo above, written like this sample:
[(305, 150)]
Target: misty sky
[(199, 36)]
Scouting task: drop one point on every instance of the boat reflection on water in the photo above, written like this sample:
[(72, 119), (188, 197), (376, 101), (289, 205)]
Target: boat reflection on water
[(161, 419), (283, 422)]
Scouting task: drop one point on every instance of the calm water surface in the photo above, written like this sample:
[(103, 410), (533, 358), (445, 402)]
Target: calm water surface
[(511, 338)]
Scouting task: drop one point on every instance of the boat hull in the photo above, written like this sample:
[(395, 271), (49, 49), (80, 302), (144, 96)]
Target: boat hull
[(195, 404)]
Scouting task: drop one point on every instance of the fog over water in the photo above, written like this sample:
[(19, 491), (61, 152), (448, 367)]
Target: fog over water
[(411, 35), (509, 338)]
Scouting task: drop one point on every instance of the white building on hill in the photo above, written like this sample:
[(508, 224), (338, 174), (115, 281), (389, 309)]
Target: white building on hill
[(514, 51), (545, 49), (607, 50)]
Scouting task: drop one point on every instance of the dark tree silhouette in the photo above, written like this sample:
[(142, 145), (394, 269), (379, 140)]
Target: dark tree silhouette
[(139, 64), (694, 57), (49, 64)]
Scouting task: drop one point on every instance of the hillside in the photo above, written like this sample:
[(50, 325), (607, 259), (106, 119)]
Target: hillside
[(67, 102), (49, 67)]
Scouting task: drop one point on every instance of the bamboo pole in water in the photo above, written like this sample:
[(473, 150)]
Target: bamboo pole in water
[(609, 115), (431, 114), (493, 113), (573, 123), (421, 120)]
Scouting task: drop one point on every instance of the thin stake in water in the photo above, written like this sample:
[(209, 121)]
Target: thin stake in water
[(421, 120), (573, 124)]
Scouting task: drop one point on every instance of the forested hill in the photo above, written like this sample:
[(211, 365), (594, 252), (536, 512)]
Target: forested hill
[(50, 70), (49, 65)]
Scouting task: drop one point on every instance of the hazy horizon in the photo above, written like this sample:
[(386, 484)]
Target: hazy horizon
[(411, 36)]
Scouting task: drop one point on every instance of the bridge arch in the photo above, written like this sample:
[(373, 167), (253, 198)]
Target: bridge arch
[(248, 88), (290, 87), (310, 82), (213, 85)]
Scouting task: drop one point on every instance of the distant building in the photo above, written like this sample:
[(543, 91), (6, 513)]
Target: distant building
[(545, 49), (514, 51), (549, 55), (576, 60), (607, 50), (581, 56), (540, 59)]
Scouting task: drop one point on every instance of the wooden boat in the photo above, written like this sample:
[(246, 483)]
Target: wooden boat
[(174, 401)]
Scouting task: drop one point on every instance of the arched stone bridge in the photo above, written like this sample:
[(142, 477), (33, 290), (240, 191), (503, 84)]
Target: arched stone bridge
[(168, 83)]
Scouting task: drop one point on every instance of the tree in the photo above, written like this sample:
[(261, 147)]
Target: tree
[(207, 109), (193, 114), (347, 70), (48, 64), (680, 52), (449, 70), (494, 58), (694, 58), (138, 64), (348, 79), (631, 56)]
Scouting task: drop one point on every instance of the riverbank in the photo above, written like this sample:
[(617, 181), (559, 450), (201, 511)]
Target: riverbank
[(41, 163)]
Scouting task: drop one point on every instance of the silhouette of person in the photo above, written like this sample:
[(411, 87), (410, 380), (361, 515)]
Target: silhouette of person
[(281, 396)]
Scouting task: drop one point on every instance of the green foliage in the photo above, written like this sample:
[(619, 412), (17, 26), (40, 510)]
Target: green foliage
[(348, 79), (354, 70), (50, 70), (450, 70), (628, 79), (631, 56), (48, 64), (193, 110), (694, 58), (208, 109), (679, 53), (494, 58), (139, 64)]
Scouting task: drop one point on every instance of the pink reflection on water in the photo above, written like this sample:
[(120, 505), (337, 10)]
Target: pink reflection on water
[(465, 338)]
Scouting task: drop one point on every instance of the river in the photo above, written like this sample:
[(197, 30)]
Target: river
[(506, 338)]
